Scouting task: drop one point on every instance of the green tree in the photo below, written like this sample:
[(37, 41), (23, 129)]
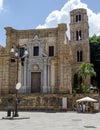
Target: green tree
[(94, 39), (85, 70), (95, 58)]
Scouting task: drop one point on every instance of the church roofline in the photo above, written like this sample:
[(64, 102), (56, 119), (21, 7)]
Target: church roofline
[(78, 9), (45, 29)]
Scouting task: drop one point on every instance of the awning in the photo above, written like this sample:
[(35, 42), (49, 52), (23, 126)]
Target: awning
[(86, 99)]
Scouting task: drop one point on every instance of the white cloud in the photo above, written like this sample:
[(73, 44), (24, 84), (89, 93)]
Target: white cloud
[(1, 5), (62, 16)]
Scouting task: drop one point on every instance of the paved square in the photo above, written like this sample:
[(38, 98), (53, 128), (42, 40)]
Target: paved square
[(52, 121)]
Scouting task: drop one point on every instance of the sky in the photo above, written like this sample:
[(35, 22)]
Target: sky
[(31, 14)]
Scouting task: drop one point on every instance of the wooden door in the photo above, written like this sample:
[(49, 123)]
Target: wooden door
[(35, 82)]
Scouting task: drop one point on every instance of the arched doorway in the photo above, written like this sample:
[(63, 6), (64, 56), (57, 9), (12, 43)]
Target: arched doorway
[(77, 81)]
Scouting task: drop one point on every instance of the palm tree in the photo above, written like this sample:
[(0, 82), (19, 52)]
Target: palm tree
[(85, 70)]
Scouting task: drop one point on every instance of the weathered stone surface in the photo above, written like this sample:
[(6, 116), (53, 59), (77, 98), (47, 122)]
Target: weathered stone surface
[(43, 101)]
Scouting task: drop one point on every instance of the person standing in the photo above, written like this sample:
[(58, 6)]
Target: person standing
[(84, 108)]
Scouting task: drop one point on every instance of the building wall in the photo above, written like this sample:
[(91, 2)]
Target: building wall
[(4, 74), (57, 72)]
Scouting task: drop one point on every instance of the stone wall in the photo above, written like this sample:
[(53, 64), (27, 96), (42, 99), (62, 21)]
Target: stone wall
[(45, 102)]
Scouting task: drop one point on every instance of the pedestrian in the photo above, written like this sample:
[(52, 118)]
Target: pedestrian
[(84, 108), (74, 108), (77, 107), (80, 107)]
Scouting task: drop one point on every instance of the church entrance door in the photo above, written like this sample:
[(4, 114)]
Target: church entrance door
[(35, 82)]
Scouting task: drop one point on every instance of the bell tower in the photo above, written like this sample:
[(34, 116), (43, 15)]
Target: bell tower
[(79, 28)]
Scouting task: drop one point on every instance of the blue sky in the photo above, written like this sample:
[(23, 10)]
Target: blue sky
[(28, 14)]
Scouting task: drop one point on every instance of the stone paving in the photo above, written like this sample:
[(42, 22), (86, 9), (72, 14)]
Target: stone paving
[(52, 121)]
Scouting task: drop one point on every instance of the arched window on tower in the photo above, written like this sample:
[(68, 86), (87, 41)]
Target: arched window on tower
[(79, 56), (78, 35), (78, 18)]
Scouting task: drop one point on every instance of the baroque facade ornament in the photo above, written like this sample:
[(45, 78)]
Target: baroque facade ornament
[(35, 67)]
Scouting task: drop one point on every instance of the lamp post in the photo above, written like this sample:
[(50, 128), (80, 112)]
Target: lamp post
[(19, 55), (18, 86)]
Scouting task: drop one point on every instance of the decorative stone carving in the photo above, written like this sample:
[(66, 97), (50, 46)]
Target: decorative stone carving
[(35, 67)]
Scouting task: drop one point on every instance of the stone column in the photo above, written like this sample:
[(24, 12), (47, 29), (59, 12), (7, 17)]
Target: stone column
[(49, 90), (52, 77), (24, 77), (45, 76)]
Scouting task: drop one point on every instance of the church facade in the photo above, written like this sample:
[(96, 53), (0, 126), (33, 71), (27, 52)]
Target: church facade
[(52, 60)]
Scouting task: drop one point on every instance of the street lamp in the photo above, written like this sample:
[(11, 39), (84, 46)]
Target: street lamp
[(19, 55)]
